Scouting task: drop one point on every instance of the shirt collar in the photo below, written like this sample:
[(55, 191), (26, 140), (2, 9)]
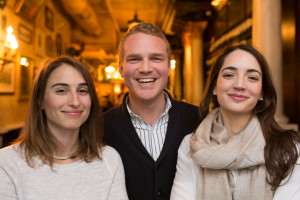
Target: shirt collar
[(167, 108)]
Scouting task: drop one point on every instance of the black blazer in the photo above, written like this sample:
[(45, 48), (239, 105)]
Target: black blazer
[(147, 179)]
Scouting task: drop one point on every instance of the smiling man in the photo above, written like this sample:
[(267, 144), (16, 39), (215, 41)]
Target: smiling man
[(149, 126)]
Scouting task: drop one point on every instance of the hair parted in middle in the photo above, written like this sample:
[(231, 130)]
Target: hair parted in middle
[(36, 138), (146, 28)]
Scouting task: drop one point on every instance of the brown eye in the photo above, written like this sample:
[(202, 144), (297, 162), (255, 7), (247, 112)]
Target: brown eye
[(227, 75), (83, 91), (61, 91)]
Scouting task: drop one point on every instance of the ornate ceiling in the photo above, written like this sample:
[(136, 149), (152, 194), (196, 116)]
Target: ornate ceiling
[(100, 24)]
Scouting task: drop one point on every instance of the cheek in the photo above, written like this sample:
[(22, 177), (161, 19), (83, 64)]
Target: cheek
[(51, 102), (87, 102), (222, 84), (128, 70), (163, 70), (256, 90)]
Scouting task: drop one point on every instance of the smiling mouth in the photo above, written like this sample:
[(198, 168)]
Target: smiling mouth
[(146, 80), (238, 96), (72, 113)]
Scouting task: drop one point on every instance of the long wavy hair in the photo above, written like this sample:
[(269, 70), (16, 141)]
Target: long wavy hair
[(281, 152), (36, 139)]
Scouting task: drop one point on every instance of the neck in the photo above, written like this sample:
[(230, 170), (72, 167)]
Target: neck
[(235, 123), (150, 110), (67, 142)]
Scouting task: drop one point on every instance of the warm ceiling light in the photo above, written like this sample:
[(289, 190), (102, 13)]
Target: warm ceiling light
[(173, 62), (134, 21), (24, 62), (218, 3), (11, 40), (117, 89), (110, 69), (116, 75)]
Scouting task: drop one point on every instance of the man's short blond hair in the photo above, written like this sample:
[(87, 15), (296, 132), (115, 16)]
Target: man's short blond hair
[(146, 28)]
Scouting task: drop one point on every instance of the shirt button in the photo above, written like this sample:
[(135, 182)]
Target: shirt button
[(159, 194)]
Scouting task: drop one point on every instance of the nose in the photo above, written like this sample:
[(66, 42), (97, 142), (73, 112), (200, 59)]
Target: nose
[(239, 83), (73, 99), (145, 67)]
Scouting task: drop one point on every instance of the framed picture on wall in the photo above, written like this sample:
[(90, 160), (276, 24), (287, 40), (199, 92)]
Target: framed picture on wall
[(49, 45), (7, 76), (58, 44), (25, 81), (25, 34), (28, 9), (39, 42), (49, 22)]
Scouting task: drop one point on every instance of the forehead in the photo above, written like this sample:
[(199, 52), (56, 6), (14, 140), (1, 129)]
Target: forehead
[(241, 60), (65, 73), (142, 42)]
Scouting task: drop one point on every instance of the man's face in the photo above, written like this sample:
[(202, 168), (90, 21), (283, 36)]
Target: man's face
[(145, 67)]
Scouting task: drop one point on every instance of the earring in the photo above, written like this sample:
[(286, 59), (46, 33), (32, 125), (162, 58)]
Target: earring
[(214, 93), (261, 99)]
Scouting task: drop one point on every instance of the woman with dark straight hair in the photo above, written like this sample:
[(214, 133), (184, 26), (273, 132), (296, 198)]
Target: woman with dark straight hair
[(239, 151), (59, 153)]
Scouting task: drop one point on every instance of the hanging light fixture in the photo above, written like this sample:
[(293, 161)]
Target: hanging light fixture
[(135, 19)]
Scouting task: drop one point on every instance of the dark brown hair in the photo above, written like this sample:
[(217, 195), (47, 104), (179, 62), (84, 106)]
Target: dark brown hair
[(281, 152), (146, 28), (35, 137)]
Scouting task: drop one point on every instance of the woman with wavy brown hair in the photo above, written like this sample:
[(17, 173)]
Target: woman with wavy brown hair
[(238, 151), (59, 153)]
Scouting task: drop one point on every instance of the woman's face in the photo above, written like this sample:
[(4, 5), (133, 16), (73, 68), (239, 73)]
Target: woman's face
[(239, 83), (67, 100)]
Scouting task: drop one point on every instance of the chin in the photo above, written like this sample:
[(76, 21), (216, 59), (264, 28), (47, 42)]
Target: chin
[(147, 94)]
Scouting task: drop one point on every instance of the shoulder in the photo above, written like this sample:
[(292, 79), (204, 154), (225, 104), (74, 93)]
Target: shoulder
[(11, 158), (111, 158), (184, 105), (185, 109), (9, 152), (185, 144), (111, 111), (110, 155), (108, 151)]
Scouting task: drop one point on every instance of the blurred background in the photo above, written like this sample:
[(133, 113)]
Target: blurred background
[(33, 31)]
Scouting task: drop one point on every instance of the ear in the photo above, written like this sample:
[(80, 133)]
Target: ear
[(169, 68), (121, 69), (261, 97), (214, 91)]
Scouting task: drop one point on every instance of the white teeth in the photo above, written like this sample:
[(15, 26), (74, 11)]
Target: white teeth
[(146, 80)]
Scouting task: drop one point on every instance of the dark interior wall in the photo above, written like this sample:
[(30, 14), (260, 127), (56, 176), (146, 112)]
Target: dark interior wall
[(297, 62), (291, 59)]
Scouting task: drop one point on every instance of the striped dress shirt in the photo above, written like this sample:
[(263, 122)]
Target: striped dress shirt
[(152, 136)]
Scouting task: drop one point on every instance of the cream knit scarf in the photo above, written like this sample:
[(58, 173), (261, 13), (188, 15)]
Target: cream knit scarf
[(217, 155)]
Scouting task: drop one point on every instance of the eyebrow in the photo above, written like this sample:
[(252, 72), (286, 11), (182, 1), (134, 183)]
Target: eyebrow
[(157, 54), (152, 54), (67, 85), (235, 69), (132, 55)]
